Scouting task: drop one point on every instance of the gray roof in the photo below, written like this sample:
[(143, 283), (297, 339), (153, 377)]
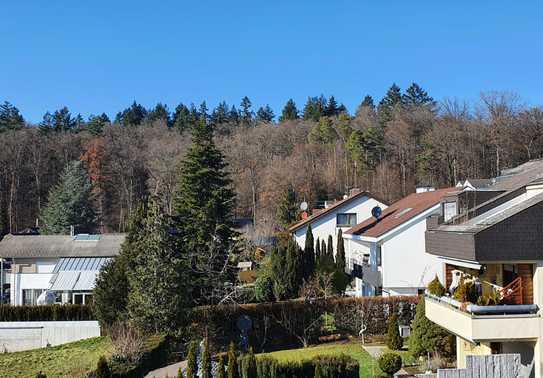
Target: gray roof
[(495, 215), (517, 177), (29, 246)]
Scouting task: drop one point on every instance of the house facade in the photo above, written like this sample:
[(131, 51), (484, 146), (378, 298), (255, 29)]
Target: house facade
[(62, 264), (342, 215), (498, 246), (387, 255)]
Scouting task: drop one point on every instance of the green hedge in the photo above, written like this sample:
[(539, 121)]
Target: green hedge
[(329, 367), (45, 313), (289, 324), (156, 354)]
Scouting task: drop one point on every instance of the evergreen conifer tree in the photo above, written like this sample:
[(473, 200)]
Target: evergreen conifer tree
[(309, 254), (393, 339), (416, 96), (232, 369), (265, 114), (324, 252), (192, 360), (206, 361), (220, 368), (318, 252), (386, 106), (340, 252), (10, 117), (330, 250), (290, 112), (158, 299), (69, 203), (203, 203), (102, 368), (246, 113), (294, 269), (287, 210)]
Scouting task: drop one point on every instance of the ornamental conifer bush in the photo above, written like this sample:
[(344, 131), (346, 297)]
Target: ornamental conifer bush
[(436, 288), (102, 368), (393, 339), (192, 360), (220, 368), (390, 363), (206, 361), (232, 369)]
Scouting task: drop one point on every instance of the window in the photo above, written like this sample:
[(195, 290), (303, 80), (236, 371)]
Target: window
[(346, 219), (449, 210), (82, 298), (378, 255), (30, 296)]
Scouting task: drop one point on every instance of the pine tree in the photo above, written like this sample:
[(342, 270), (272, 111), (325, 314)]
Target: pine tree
[(416, 96), (246, 113), (290, 112), (69, 203), (132, 116), (386, 106), (293, 271), (368, 102), (332, 109), (232, 369), (318, 252), (340, 252), (314, 108), (265, 114), (192, 360), (60, 121), (96, 124), (206, 361), (324, 252), (220, 114), (220, 368), (287, 210), (160, 112), (330, 250), (159, 298), (309, 254), (182, 118), (10, 118), (203, 204), (393, 339)]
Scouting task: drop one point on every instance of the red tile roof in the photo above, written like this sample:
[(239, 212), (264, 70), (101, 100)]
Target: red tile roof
[(400, 212), (335, 205)]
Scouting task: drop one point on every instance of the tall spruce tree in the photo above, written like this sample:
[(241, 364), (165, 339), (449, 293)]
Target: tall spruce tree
[(246, 113), (290, 112), (192, 360), (287, 210), (206, 361), (158, 300), (265, 114), (416, 96), (69, 203), (294, 269), (330, 250), (318, 252), (203, 205), (309, 254), (324, 251), (340, 252), (10, 117), (386, 106)]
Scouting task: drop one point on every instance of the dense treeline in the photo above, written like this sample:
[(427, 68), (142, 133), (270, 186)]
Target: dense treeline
[(320, 150)]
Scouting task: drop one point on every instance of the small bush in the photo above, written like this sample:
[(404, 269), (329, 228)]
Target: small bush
[(393, 339), (466, 292), (127, 342), (436, 288), (390, 363), (102, 369)]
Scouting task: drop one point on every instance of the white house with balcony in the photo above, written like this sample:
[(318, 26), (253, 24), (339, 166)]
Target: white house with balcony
[(342, 214), (387, 255), (66, 265), (497, 246)]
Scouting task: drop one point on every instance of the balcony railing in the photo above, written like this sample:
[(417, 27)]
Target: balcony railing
[(501, 309)]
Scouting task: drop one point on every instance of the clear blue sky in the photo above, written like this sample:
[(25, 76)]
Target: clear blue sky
[(99, 56)]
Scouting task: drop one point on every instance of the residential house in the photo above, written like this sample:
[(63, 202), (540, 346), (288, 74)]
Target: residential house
[(497, 245), (342, 214), (386, 254), (67, 265)]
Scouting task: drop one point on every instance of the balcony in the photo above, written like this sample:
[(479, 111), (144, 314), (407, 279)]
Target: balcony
[(484, 323)]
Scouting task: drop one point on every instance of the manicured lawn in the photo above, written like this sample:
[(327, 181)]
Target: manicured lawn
[(368, 366), (68, 360)]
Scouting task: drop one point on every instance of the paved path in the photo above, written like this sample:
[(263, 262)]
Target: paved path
[(374, 350), (167, 371)]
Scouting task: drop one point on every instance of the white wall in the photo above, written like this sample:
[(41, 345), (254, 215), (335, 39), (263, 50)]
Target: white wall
[(18, 336), (405, 263), (326, 225), (20, 281)]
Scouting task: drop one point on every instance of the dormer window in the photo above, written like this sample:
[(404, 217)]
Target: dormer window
[(346, 220)]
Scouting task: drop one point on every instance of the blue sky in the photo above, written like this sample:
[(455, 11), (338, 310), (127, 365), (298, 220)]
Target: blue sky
[(99, 56)]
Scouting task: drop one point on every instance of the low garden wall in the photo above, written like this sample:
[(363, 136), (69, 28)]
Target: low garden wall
[(19, 336)]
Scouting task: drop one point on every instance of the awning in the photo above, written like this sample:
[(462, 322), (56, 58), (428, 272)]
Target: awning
[(76, 273)]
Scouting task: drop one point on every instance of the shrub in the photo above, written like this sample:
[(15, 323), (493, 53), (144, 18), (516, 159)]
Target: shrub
[(206, 361), (491, 299), (436, 288), (102, 369), (220, 368), (323, 366), (232, 369), (247, 365), (127, 342), (393, 339), (390, 363), (67, 312), (428, 337)]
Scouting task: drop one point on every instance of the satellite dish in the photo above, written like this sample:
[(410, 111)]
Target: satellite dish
[(376, 212), (303, 206)]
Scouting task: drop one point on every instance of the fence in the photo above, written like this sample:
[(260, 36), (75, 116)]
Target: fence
[(491, 366)]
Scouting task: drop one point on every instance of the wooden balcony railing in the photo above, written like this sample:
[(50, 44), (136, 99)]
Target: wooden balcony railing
[(512, 293)]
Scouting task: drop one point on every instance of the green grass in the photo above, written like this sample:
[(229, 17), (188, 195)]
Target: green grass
[(67, 360), (368, 366)]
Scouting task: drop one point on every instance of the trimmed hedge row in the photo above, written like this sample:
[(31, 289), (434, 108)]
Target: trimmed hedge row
[(321, 366), (155, 355), (294, 323), (67, 312)]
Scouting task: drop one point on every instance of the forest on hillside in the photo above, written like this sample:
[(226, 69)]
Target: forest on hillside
[(320, 149)]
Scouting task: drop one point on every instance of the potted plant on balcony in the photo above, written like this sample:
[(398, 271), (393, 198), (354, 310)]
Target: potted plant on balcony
[(436, 288)]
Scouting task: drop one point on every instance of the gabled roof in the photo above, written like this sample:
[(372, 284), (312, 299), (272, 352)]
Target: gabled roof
[(479, 183), (29, 246), (400, 212), (331, 208)]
